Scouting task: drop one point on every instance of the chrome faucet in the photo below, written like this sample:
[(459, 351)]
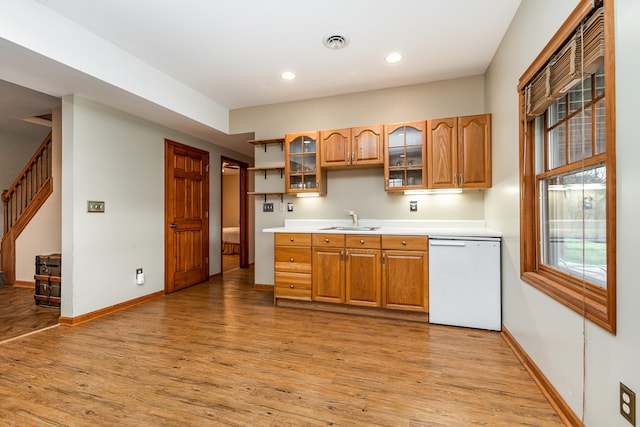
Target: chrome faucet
[(354, 217)]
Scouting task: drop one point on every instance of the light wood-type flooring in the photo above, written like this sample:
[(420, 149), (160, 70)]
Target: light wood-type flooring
[(20, 315), (220, 353)]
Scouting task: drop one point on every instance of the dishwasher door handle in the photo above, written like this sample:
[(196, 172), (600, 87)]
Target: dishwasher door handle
[(447, 243)]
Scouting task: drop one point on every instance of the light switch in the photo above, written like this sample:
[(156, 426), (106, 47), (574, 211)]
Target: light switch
[(95, 207)]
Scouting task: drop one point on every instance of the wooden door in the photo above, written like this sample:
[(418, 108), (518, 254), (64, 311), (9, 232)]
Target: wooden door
[(335, 147), (186, 216), (367, 146), (442, 146), (405, 280), (362, 277), (474, 151), (328, 275)]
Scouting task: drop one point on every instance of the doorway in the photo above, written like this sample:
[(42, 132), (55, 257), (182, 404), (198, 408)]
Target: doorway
[(233, 205), (186, 216)]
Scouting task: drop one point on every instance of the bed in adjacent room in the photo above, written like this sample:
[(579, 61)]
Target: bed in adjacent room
[(230, 240)]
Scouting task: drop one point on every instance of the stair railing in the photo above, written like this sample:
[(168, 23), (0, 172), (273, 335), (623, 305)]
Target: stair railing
[(23, 190)]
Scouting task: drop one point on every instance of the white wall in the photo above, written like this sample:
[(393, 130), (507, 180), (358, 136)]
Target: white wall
[(549, 332), (361, 190), (42, 236), (231, 199), (114, 157)]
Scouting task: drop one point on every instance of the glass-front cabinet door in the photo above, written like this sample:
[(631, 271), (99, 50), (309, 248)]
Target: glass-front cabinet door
[(302, 171), (404, 163)]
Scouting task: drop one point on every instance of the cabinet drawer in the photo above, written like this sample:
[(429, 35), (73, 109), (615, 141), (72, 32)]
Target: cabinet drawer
[(292, 239), (362, 241), (328, 240), (293, 259), (293, 286), (413, 243)]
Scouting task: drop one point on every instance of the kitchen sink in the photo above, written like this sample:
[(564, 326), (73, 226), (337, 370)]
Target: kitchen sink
[(351, 228)]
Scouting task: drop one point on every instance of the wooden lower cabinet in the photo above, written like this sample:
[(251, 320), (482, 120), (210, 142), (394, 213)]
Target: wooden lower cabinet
[(292, 266), (363, 270), (405, 274), (404, 280), (362, 277), (328, 275), (346, 269)]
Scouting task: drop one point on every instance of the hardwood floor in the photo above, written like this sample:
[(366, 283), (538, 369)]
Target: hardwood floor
[(20, 315), (220, 353), (230, 262)]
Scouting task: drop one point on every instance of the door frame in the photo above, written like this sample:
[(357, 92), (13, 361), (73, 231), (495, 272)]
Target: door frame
[(205, 205), (244, 212)]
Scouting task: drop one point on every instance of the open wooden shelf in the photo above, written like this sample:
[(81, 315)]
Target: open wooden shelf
[(265, 142), (266, 194)]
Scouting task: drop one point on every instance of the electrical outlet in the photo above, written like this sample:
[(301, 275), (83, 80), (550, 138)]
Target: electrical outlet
[(289, 207), (628, 404), (267, 207), (281, 206), (139, 276), (413, 206)]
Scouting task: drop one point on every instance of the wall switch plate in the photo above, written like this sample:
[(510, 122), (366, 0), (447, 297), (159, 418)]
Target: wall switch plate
[(95, 207), (267, 207), (139, 276), (289, 207), (628, 404), (413, 206)]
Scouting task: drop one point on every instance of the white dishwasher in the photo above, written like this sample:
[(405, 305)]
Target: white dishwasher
[(464, 282)]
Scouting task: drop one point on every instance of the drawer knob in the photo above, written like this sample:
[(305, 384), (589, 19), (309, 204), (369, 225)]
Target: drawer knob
[(362, 241), (404, 243), (326, 240), (291, 239), (291, 286), (291, 259)]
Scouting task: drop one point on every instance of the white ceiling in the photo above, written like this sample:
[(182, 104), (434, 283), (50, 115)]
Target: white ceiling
[(233, 52)]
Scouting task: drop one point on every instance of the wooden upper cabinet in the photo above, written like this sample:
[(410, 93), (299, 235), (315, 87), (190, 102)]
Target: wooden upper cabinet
[(355, 147), (336, 147), (459, 152), (404, 156), (367, 146), (303, 173), (474, 148), (442, 149)]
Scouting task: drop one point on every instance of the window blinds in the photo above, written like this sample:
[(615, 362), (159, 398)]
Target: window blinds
[(580, 56)]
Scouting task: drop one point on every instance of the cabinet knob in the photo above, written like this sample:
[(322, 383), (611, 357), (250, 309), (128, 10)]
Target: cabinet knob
[(291, 259), (326, 240), (362, 241), (291, 286), (291, 239), (404, 243)]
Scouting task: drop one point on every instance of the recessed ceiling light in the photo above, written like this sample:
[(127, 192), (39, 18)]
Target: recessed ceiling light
[(288, 75), (393, 57)]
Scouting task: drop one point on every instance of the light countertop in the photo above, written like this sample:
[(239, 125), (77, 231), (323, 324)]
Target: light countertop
[(431, 228)]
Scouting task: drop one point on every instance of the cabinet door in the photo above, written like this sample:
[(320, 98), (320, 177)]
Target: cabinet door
[(404, 162), (327, 275), (367, 146), (442, 146), (302, 171), (405, 280), (474, 151), (335, 147), (362, 281)]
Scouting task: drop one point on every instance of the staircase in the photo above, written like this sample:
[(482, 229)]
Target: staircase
[(22, 201)]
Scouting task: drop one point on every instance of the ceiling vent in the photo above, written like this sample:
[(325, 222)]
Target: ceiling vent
[(335, 41)]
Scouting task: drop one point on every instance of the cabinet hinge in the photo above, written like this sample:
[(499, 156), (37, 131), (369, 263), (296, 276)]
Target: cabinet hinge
[(206, 168), (206, 214), (206, 260)]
